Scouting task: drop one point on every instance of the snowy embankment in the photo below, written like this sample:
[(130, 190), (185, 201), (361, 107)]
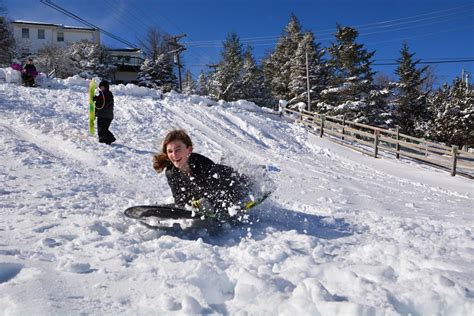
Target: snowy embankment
[(343, 234)]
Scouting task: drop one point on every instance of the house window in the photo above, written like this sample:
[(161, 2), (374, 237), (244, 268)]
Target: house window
[(25, 33), (40, 34), (60, 36)]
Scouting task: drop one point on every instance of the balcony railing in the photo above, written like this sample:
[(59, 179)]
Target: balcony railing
[(127, 60)]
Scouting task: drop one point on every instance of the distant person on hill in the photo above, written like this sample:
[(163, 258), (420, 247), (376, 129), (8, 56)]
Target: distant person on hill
[(104, 111), (28, 74), (212, 189)]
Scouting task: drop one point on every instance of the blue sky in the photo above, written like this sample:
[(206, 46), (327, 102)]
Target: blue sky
[(435, 30)]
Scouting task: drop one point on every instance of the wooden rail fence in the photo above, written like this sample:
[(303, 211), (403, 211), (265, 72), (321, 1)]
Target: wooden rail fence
[(370, 140)]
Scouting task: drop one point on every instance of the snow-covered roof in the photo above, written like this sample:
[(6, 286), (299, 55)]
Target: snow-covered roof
[(123, 49), (54, 25)]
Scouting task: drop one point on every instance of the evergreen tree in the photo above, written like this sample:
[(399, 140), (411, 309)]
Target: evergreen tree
[(316, 68), (203, 85), (157, 73), (410, 99), (89, 60), (226, 83), (189, 86), (383, 94), (253, 85), (452, 115), (379, 110), (351, 78), (157, 70), (277, 66), (7, 41), (437, 101)]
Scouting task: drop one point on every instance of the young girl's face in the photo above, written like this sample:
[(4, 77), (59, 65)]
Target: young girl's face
[(178, 153)]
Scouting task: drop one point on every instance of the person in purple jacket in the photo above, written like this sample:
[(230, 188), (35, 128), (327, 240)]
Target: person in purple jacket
[(28, 74)]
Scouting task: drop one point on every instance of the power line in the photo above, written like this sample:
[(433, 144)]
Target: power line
[(422, 61), (81, 20), (422, 35), (429, 62), (189, 50), (387, 22), (430, 59), (408, 27), (361, 34), (117, 12), (376, 26), (143, 16), (273, 42)]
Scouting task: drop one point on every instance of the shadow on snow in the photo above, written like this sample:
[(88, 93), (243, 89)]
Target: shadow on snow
[(263, 222)]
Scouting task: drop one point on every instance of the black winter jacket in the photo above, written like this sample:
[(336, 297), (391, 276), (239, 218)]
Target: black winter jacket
[(104, 109), (220, 184), (29, 69)]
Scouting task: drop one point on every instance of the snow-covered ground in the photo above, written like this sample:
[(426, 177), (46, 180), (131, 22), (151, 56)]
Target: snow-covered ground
[(343, 233)]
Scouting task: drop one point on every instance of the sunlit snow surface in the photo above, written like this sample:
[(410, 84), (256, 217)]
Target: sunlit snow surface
[(343, 233)]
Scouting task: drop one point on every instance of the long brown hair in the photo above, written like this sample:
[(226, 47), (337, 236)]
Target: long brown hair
[(161, 160)]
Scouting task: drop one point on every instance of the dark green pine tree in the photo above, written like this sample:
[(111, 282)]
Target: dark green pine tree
[(316, 67), (277, 66), (157, 70), (452, 114), (379, 110), (253, 85), (351, 77), (437, 101), (189, 85), (157, 73), (202, 84), (225, 81), (7, 42), (411, 112)]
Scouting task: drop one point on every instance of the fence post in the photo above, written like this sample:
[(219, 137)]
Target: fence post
[(343, 125), (426, 148), (455, 154), (376, 143), (322, 126), (398, 144)]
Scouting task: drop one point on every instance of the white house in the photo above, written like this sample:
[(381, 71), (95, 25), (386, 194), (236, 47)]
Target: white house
[(128, 62), (32, 36)]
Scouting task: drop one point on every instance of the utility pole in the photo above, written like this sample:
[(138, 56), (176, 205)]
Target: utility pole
[(178, 48), (307, 83)]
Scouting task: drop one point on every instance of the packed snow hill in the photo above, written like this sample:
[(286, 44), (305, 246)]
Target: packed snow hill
[(342, 233)]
